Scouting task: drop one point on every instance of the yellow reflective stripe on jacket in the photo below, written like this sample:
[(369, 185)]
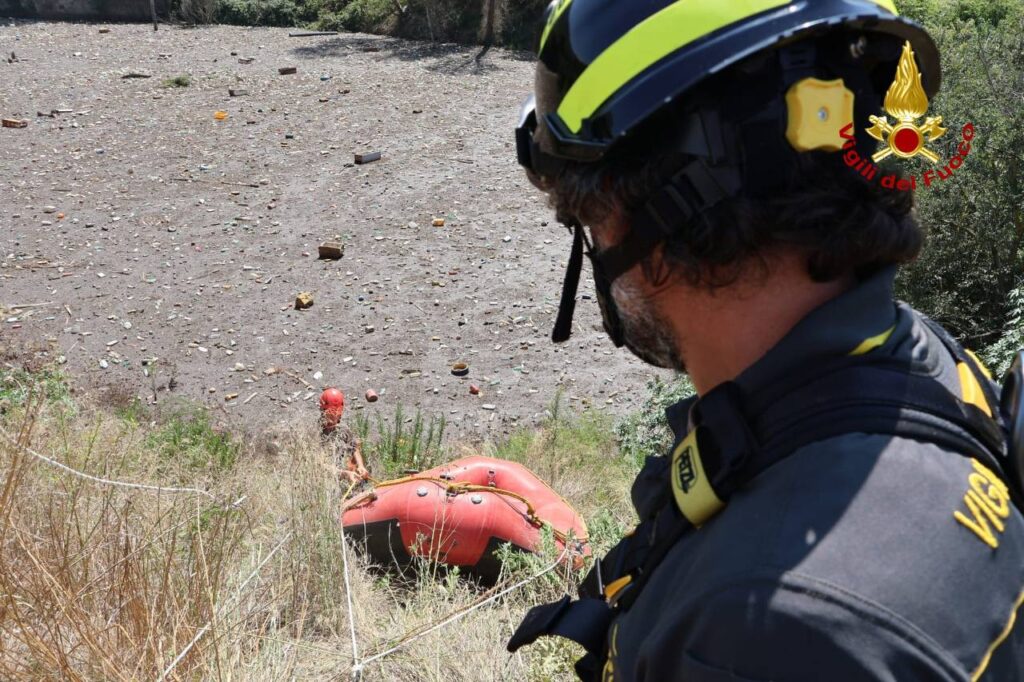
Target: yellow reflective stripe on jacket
[(1007, 629), (873, 342), (654, 38), (970, 390)]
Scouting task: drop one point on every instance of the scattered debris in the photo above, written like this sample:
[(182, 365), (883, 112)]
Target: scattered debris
[(220, 115), (474, 389), (371, 395), (331, 250), (304, 300), (136, 74), (287, 70), (104, 30), (438, 222), (230, 396), (368, 157), (246, 60), (14, 123), (488, 406), (312, 34), (237, 92), (460, 369)]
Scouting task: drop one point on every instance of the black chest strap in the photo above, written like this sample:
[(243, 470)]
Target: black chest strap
[(741, 437)]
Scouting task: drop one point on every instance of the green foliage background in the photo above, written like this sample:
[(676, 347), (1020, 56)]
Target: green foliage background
[(975, 221)]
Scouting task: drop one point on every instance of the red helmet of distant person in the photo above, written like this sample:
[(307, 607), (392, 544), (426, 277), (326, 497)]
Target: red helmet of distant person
[(332, 405)]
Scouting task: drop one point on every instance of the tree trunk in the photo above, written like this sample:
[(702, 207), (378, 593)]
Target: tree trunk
[(490, 10)]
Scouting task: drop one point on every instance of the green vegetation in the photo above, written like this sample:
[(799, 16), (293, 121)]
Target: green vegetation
[(186, 436), (136, 573), (975, 252), (645, 432), (18, 386), (401, 444), (182, 81), (516, 24)]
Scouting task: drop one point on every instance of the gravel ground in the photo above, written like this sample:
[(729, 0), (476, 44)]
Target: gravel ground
[(168, 247)]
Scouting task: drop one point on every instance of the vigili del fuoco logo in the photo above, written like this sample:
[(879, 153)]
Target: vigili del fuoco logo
[(907, 103)]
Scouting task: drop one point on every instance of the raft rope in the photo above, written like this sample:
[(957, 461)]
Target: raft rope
[(104, 481), (461, 487)]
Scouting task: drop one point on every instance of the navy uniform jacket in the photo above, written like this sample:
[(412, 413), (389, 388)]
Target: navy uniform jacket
[(861, 557)]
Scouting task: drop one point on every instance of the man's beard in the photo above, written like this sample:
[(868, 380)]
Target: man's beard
[(644, 334)]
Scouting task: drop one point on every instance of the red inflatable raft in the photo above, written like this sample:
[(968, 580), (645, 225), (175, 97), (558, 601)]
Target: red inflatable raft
[(460, 513)]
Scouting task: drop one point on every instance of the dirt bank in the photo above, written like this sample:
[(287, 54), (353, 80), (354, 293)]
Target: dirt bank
[(168, 247)]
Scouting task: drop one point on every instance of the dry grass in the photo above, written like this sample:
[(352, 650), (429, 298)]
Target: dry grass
[(103, 583)]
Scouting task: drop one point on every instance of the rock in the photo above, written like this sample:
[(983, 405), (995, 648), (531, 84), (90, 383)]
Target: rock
[(285, 70), (317, 376), (369, 329), (507, 238), (332, 250), (368, 157), (239, 367), (371, 395), (304, 300), (104, 364)]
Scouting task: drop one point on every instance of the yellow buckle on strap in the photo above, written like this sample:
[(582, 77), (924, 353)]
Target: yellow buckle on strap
[(612, 589)]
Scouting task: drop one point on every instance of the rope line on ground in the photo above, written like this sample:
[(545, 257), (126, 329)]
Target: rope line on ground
[(408, 639), (219, 612), (96, 479), (348, 593)]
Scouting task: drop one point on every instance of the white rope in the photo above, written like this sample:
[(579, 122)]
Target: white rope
[(97, 479), (356, 665), (219, 612), (358, 668)]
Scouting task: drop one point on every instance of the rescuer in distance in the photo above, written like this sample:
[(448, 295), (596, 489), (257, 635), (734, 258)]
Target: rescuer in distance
[(839, 503)]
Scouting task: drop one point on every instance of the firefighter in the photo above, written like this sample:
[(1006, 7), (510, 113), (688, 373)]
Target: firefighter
[(842, 498)]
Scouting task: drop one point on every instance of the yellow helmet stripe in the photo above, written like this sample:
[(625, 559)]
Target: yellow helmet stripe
[(654, 38), (562, 6)]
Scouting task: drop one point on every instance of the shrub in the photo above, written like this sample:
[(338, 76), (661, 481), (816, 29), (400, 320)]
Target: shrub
[(182, 81), (646, 431)]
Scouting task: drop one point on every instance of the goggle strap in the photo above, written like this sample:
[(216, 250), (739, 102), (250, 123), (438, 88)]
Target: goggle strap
[(567, 306)]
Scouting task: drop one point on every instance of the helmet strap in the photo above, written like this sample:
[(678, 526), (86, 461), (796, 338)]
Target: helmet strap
[(567, 305)]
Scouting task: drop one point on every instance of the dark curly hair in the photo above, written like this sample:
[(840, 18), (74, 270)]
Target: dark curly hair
[(841, 222)]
